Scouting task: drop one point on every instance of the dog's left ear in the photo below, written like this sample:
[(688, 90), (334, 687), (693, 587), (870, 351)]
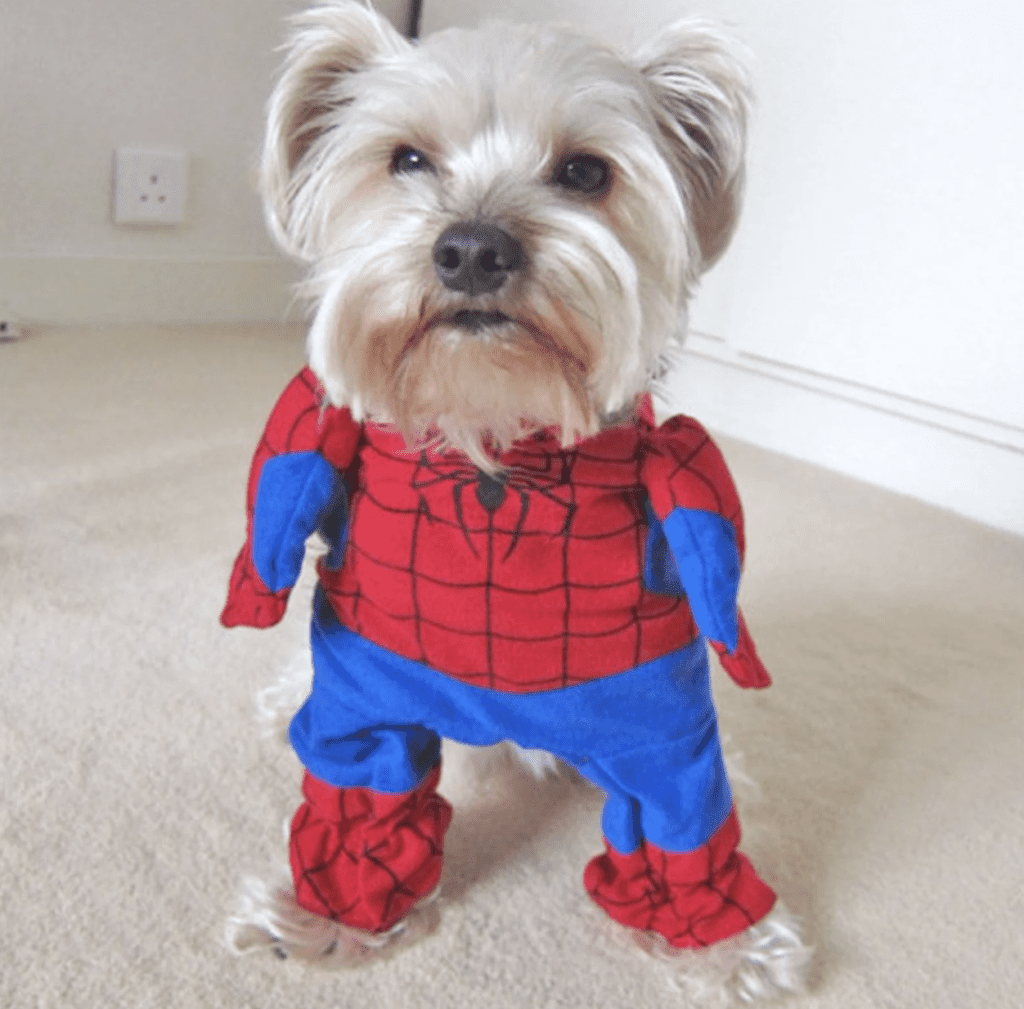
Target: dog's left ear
[(701, 100)]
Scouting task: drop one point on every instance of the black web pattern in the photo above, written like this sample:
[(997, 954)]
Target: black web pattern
[(529, 581)]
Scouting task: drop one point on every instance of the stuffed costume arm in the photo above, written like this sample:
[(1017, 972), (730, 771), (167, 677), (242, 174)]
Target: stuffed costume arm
[(695, 545), (296, 488)]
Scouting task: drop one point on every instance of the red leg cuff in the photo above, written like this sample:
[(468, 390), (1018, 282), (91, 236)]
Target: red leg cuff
[(693, 898), (365, 858)]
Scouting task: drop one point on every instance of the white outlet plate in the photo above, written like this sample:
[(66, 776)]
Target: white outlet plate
[(149, 186)]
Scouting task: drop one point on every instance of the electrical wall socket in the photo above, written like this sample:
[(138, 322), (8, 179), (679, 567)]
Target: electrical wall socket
[(149, 186)]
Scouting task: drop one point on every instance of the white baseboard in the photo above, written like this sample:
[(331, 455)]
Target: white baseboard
[(966, 464), (65, 290)]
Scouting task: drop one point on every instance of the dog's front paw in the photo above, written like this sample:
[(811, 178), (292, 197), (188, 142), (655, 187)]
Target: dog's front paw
[(268, 919), (767, 961)]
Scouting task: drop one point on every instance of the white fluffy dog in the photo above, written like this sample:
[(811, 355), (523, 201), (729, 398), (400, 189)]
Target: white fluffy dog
[(503, 229)]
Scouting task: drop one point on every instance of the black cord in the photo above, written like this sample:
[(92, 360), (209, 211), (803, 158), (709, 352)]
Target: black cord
[(414, 18)]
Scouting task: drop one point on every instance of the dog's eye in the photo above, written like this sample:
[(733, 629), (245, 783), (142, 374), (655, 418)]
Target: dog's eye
[(408, 159), (583, 173)]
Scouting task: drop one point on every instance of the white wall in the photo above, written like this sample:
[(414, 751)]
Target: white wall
[(876, 311), (883, 232), (81, 77), (870, 314)]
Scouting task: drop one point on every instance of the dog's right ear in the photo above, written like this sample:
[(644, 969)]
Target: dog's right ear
[(701, 98), (328, 48)]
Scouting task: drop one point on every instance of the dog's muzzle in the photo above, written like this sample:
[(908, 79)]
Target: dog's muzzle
[(476, 257)]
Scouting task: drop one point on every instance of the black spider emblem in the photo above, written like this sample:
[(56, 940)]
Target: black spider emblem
[(492, 490)]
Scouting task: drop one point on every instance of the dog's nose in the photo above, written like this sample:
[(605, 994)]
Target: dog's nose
[(476, 257)]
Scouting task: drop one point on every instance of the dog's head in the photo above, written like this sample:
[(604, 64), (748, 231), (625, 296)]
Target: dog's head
[(504, 226)]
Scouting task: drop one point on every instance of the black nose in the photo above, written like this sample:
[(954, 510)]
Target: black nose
[(476, 257)]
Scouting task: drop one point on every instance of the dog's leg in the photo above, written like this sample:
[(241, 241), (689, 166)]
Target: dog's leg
[(707, 915), (693, 898), (364, 858), (276, 705), (365, 865), (537, 763)]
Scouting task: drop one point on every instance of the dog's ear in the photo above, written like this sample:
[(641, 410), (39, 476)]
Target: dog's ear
[(329, 46), (701, 97)]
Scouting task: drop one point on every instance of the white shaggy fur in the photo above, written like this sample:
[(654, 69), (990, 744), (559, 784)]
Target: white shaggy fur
[(567, 341), (268, 918), (277, 704), (766, 961)]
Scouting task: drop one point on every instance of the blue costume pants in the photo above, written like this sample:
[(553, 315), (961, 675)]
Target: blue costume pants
[(648, 737)]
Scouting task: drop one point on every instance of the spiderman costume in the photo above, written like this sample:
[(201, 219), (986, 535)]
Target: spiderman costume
[(563, 604)]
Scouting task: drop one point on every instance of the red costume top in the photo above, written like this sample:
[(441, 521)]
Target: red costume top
[(570, 565)]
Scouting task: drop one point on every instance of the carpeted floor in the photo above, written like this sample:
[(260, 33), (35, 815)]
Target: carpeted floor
[(137, 790)]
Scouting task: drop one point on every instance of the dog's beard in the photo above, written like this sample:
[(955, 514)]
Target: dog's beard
[(475, 384), (481, 392), (559, 349)]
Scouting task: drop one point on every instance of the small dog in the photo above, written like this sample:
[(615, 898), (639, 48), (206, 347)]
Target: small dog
[(503, 229)]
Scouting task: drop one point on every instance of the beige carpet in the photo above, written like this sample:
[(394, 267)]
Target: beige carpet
[(137, 789)]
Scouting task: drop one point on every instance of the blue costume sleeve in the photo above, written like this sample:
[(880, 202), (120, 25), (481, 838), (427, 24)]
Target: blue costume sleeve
[(694, 553), (299, 493)]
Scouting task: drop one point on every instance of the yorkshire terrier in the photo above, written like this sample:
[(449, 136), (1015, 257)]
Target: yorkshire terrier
[(503, 229)]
